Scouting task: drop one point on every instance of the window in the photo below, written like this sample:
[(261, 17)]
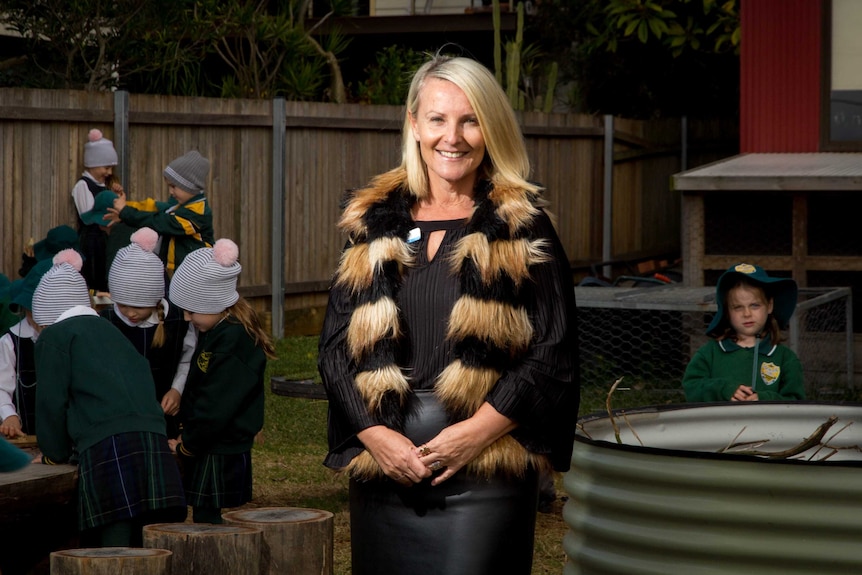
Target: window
[(842, 47)]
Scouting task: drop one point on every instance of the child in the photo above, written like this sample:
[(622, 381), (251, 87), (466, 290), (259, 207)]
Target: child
[(17, 361), (57, 239), (155, 327), (118, 233), (746, 361), (97, 406), (185, 222), (222, 407), (100, 157)]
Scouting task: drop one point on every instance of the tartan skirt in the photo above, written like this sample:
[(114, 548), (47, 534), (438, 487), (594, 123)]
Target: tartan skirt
[(217, 480), (127, 476)]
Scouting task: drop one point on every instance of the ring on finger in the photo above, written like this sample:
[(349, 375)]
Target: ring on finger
[(435, 465), (424, 450)]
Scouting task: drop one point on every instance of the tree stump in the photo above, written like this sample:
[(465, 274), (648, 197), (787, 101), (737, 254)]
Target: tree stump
[(111, 561), (205, 549), (296, 540)]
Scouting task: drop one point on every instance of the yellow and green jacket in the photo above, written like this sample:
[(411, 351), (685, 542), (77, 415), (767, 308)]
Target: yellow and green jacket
[(183, 227)]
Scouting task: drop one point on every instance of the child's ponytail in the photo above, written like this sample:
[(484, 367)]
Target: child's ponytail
[(244, 313), (159, 336)]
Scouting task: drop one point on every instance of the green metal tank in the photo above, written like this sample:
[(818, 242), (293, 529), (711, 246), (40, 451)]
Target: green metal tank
[(709, 489)]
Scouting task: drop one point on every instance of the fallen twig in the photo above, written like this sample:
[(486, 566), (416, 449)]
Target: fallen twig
[(811, 441), (632, 429), (611, 412)]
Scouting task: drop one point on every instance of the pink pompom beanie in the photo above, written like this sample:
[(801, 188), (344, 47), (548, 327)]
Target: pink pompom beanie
[(61, 288), (206, 280), (137, 275), (99, 151)]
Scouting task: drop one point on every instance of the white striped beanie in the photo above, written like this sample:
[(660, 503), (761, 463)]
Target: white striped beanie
[(99, 151), (206, 280), (61, 288), (137, 274), (189, 172)]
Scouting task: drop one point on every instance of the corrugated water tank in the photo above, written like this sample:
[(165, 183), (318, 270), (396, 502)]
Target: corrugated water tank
[(709, 489)]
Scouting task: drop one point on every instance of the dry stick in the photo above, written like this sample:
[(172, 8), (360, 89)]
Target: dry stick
[(809, 442), (580, 426), (632, 429), (734, 444), (826, 443), (610, 411), (732, 441)]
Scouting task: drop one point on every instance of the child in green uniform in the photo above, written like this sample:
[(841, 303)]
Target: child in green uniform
[(746, 361), (153, 325), (97, 407), (222, 405), (185, 222)]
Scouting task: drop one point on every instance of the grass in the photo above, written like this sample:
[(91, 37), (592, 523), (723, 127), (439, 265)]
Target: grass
[(289, 471)]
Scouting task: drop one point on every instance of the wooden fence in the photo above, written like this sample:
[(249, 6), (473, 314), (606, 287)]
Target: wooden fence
[(327, 148)]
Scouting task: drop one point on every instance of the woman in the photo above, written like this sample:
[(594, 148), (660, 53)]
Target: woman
[(448, 351)]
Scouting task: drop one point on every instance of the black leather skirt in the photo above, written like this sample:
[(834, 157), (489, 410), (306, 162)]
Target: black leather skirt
[(464, 526)]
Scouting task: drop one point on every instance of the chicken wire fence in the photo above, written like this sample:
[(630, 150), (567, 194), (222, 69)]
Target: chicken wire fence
[(648, 335)]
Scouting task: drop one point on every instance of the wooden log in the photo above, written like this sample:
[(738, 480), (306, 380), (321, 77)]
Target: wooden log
[(111, 561), (36, 486), (296, 540), (204, 549)]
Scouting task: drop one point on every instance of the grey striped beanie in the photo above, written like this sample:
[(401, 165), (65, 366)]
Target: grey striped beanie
[(99, 151), (206, 280), (189, 172), (137, 274), (61, 288)]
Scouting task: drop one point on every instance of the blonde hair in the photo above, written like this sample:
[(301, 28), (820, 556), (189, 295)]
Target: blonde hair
[(159, 336), (245, 314), (506, 162)]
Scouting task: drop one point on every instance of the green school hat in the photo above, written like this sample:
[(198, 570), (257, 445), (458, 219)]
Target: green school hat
[(783, 292), (56, 240), (22, 290), (101, 203)]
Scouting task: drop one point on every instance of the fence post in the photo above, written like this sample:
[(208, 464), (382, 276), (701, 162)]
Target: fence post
[(607, 200), (278, 149), (121, 136), (683, 137)]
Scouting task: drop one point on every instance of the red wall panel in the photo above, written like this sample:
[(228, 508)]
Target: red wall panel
[(780, 75)]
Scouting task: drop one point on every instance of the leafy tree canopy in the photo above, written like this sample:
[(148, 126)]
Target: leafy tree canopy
[(645, 58)]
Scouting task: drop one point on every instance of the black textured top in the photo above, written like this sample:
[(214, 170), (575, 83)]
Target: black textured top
[(426, 299)]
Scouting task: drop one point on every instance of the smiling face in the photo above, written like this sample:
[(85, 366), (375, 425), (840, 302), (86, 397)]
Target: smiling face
[(101, 173), (450, 139), (748, 309)]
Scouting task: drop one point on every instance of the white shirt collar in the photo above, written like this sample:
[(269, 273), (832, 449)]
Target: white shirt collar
[(76, 311), (23, 329)]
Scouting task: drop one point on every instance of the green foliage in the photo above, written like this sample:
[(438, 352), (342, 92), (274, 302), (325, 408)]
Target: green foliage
[(645, 58), (230, 48), (83, 44), (529, 77), (388, 79)]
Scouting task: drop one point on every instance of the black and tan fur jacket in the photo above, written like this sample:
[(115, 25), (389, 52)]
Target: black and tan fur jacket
[(489, 325)]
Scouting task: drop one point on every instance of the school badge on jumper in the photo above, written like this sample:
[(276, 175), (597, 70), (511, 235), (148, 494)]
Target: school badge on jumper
[(204, 360), (769, 373)]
